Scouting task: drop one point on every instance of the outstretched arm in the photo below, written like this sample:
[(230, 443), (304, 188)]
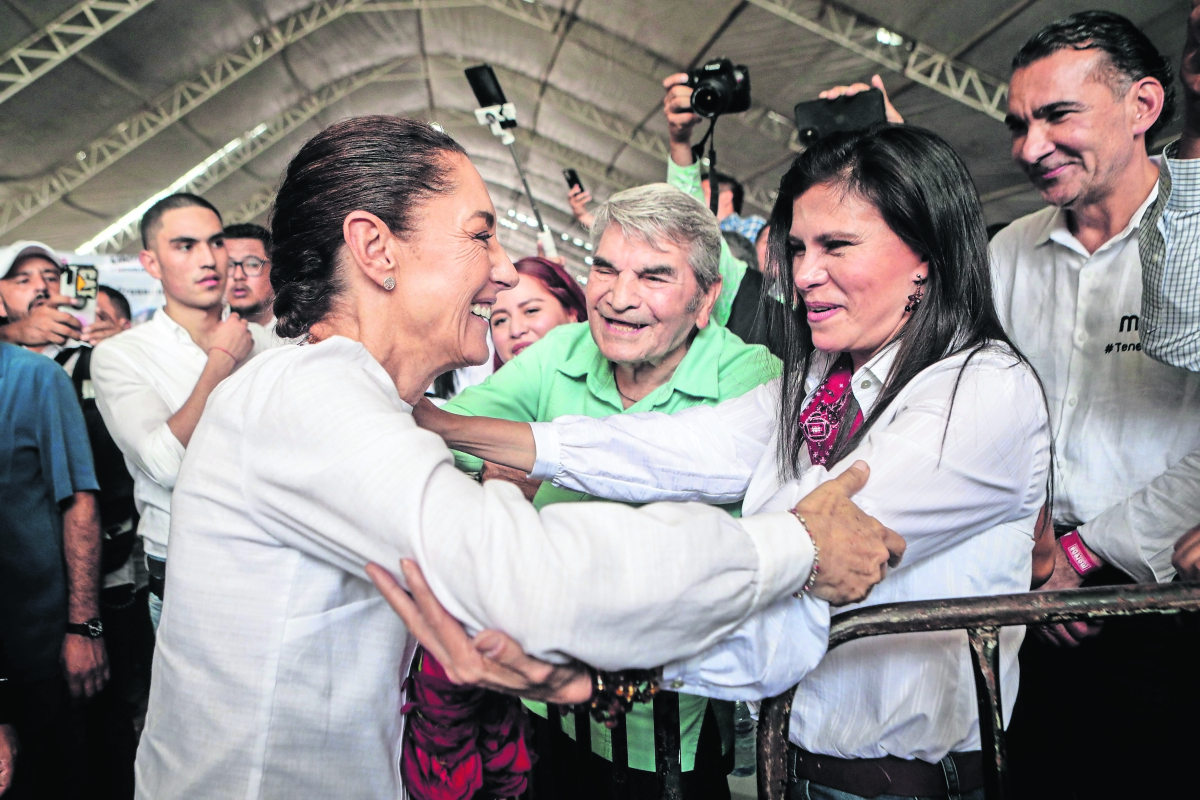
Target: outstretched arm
[(704, 454), (855, 554), (500, 441)]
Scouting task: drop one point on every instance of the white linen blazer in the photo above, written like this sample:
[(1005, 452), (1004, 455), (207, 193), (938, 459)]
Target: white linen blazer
[(278, 666)]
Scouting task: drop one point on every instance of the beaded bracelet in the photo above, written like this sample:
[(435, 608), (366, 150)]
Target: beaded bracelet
[(614, 693), (816, 564)]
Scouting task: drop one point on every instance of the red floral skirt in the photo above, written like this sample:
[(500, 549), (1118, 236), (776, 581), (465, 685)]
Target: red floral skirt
[(461, 740)]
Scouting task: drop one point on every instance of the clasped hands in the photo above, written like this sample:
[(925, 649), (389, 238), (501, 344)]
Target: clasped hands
[(855, 550)]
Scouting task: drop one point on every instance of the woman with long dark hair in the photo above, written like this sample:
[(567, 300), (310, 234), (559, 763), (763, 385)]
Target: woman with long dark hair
[(892, 353)]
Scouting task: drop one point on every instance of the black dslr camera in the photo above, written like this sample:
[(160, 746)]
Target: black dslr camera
[(720, 87)]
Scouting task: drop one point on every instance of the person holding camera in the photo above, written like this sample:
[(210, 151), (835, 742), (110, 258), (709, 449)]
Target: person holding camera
[(579, 198), (681, 121), (737, 307), (31, 308)]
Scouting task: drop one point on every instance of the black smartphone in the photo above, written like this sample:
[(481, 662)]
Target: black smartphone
[(485, 86), (816, 119), (572, 178)]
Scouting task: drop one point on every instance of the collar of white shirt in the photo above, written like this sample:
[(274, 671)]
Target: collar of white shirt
[(176, 331), (868, 379)]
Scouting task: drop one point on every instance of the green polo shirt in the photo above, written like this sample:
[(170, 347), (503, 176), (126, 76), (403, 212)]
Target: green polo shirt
[(565, 373), (732, 269)]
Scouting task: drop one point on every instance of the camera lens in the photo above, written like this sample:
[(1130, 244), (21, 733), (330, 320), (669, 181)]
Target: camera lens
[(710, 98)]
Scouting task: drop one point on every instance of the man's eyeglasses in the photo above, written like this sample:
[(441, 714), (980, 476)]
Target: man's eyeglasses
[(252, 266)]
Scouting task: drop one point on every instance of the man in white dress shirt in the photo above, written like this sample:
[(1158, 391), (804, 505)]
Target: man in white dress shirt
[(1087, 98), (1069, 292), (152, 381)]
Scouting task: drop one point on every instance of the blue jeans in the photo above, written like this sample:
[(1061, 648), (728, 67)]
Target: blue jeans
[(157, 568), (155, 610), (804, 789)]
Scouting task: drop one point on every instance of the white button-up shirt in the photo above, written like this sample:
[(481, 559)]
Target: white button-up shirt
[(141, 377), (1126, 427), (964, 495), (278, 666)]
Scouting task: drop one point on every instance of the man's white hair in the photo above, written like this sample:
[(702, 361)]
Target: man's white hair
[(657, 213)]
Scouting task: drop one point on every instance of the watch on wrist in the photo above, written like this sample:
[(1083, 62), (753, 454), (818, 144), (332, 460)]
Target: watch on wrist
[(92, 629)]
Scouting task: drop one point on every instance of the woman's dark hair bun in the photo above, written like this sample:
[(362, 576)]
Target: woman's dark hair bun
[(386, 165)]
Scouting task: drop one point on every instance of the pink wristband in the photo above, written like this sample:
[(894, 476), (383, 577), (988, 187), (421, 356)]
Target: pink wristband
[(1077, 554), (226, 352)]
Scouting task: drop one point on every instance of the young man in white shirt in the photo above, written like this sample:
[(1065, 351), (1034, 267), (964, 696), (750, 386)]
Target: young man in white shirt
[(153, 381)]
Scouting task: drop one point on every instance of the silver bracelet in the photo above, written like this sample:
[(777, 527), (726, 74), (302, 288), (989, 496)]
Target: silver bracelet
[(816, 562)]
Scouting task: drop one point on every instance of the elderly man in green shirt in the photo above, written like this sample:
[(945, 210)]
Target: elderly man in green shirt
[(650, 344)]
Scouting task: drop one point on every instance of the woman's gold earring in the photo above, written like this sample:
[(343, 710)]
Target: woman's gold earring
[(389, 283)]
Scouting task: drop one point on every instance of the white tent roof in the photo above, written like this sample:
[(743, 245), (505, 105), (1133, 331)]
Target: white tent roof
[(145, 90)]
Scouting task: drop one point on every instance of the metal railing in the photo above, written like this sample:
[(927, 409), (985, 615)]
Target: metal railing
[(982, 617), (666, 746)]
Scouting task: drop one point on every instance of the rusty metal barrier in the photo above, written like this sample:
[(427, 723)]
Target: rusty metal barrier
[(667, 748), (982, 617)]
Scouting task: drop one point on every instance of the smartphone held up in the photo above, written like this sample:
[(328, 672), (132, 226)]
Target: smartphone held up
[(816, 119), (80, 284)]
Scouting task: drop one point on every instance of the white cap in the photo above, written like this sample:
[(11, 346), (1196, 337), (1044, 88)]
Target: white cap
[(10, 255)]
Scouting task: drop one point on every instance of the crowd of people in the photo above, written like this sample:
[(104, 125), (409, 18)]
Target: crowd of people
[(672, 475)]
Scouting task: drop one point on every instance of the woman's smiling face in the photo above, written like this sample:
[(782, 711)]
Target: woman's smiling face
[(524, 314), (853, 273), (453, 267)]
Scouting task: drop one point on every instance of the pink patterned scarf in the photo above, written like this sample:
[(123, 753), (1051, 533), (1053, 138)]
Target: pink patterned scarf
[(822, 418)]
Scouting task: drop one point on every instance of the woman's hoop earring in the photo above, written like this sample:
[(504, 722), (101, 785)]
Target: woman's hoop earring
[(914, 299), (389, 283)]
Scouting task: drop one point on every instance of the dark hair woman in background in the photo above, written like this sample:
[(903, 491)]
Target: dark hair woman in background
[(892, 353), (544, 298)]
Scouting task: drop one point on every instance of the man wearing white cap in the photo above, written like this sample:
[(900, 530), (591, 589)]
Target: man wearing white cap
[(29, 301)]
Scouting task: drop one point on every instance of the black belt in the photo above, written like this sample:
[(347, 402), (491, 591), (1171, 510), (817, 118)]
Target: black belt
[(957, 774), (157, 568)]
